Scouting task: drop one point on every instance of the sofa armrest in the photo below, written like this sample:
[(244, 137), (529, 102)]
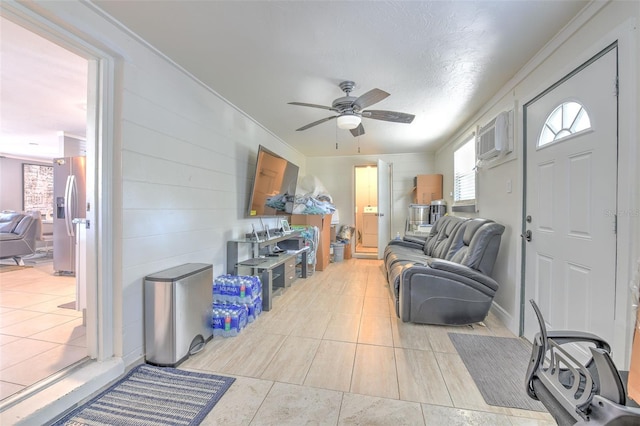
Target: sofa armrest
[(406, 243), (448, 294), (463, 271)]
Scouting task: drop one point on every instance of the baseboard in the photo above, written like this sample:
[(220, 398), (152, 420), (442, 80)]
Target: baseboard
[(513, 324)]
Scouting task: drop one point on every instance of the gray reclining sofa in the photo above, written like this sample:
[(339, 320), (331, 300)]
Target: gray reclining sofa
[(445, 279), (18, 233)]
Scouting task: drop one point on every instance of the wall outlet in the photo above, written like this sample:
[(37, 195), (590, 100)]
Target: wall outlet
[(509, 186)]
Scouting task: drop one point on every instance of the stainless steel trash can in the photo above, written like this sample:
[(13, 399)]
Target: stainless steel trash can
[(177, 309)]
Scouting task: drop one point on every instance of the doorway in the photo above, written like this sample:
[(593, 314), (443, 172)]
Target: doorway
[(571, 161), (41, 330), (366, 210)]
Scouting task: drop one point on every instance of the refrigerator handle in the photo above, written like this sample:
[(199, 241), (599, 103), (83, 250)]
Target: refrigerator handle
[(70, 204)]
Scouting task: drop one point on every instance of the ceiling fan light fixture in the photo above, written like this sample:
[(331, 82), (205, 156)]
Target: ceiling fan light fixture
[(349, 121)]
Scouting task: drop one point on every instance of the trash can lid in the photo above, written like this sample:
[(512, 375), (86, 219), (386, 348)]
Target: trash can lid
[(178, 272)]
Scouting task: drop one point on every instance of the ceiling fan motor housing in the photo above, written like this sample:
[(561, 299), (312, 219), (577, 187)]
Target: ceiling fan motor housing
[(345, 104)]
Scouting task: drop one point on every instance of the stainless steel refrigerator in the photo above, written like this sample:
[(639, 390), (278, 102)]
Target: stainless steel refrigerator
[(69, 196)]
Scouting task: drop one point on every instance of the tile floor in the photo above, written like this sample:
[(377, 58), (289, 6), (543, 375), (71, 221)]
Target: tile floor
[(37, 337), (332, 352)]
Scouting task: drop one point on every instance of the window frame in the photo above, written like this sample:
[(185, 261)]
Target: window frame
[(466, 205), (556, 139)]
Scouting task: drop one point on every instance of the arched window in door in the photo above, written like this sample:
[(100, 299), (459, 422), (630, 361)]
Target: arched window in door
[(567, 119)]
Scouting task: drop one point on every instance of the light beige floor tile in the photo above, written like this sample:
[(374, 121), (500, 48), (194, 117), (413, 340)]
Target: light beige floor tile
[(295, 405), (375, 330), (21, 350), (216, 354), (43, 365), (435, 415), (343, 327), (409, 335), (526, 421), (18, 300), (292, 361), (252, 358), (378, 306), (278, 321), (348, 304), (374, 372), (35, 325), (332, 366), (369, 410), (311, 324), (4, 339), (79, 341), (419, 377), (462, 389), (16, 316), (240, 402), (53, 307), (7, 389), (324, 302), (355, 287), (63, 333), (377, 290)]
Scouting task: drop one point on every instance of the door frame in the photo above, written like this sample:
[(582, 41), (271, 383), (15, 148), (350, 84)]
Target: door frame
[(100, 157), (628, 208)]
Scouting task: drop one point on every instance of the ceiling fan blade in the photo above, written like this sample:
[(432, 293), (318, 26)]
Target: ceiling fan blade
[(358, 131), (312, 105), (370, 98), (315, 123), (393, 116)]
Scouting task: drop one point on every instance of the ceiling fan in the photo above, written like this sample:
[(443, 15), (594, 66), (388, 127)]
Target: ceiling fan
[(351, 110)]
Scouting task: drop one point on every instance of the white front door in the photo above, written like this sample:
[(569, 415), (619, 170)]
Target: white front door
[(570, 200), (384, 206)]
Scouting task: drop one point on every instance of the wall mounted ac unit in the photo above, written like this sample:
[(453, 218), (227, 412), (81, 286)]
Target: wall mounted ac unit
[(496, 137)]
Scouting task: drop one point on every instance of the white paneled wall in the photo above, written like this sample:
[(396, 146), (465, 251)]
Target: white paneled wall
[(185, 160)]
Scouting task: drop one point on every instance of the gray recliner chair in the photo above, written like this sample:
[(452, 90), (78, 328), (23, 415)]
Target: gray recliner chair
[(576, 393), (17, 235)]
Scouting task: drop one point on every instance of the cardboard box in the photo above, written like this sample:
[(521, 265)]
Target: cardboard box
[(633, 386), (427, 189), (323, 222), (347, 251), (333, 233)]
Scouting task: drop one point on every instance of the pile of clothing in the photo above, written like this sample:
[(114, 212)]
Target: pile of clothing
[(311, 198)]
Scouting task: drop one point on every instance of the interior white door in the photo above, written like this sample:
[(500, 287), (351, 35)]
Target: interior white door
[(570, 260), (384, 206)]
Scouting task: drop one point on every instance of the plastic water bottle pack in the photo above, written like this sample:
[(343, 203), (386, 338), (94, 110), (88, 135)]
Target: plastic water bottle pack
[(236, 301), (236, 288), (228, 320)]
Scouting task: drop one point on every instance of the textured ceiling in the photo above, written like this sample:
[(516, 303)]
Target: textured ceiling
[(439, 60)]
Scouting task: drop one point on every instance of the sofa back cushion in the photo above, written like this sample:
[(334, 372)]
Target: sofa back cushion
[(442, 236), (9, 221), (480, 245)]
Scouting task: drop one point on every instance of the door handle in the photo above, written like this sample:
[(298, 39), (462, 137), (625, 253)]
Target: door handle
[(526, 235)]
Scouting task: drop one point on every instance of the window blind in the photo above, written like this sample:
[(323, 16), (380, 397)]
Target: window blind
[(464, 160)]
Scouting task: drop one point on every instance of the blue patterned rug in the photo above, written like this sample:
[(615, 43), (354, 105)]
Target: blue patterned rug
[(150, 395)]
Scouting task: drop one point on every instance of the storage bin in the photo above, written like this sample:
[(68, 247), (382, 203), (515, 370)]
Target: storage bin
[(338, 252)]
